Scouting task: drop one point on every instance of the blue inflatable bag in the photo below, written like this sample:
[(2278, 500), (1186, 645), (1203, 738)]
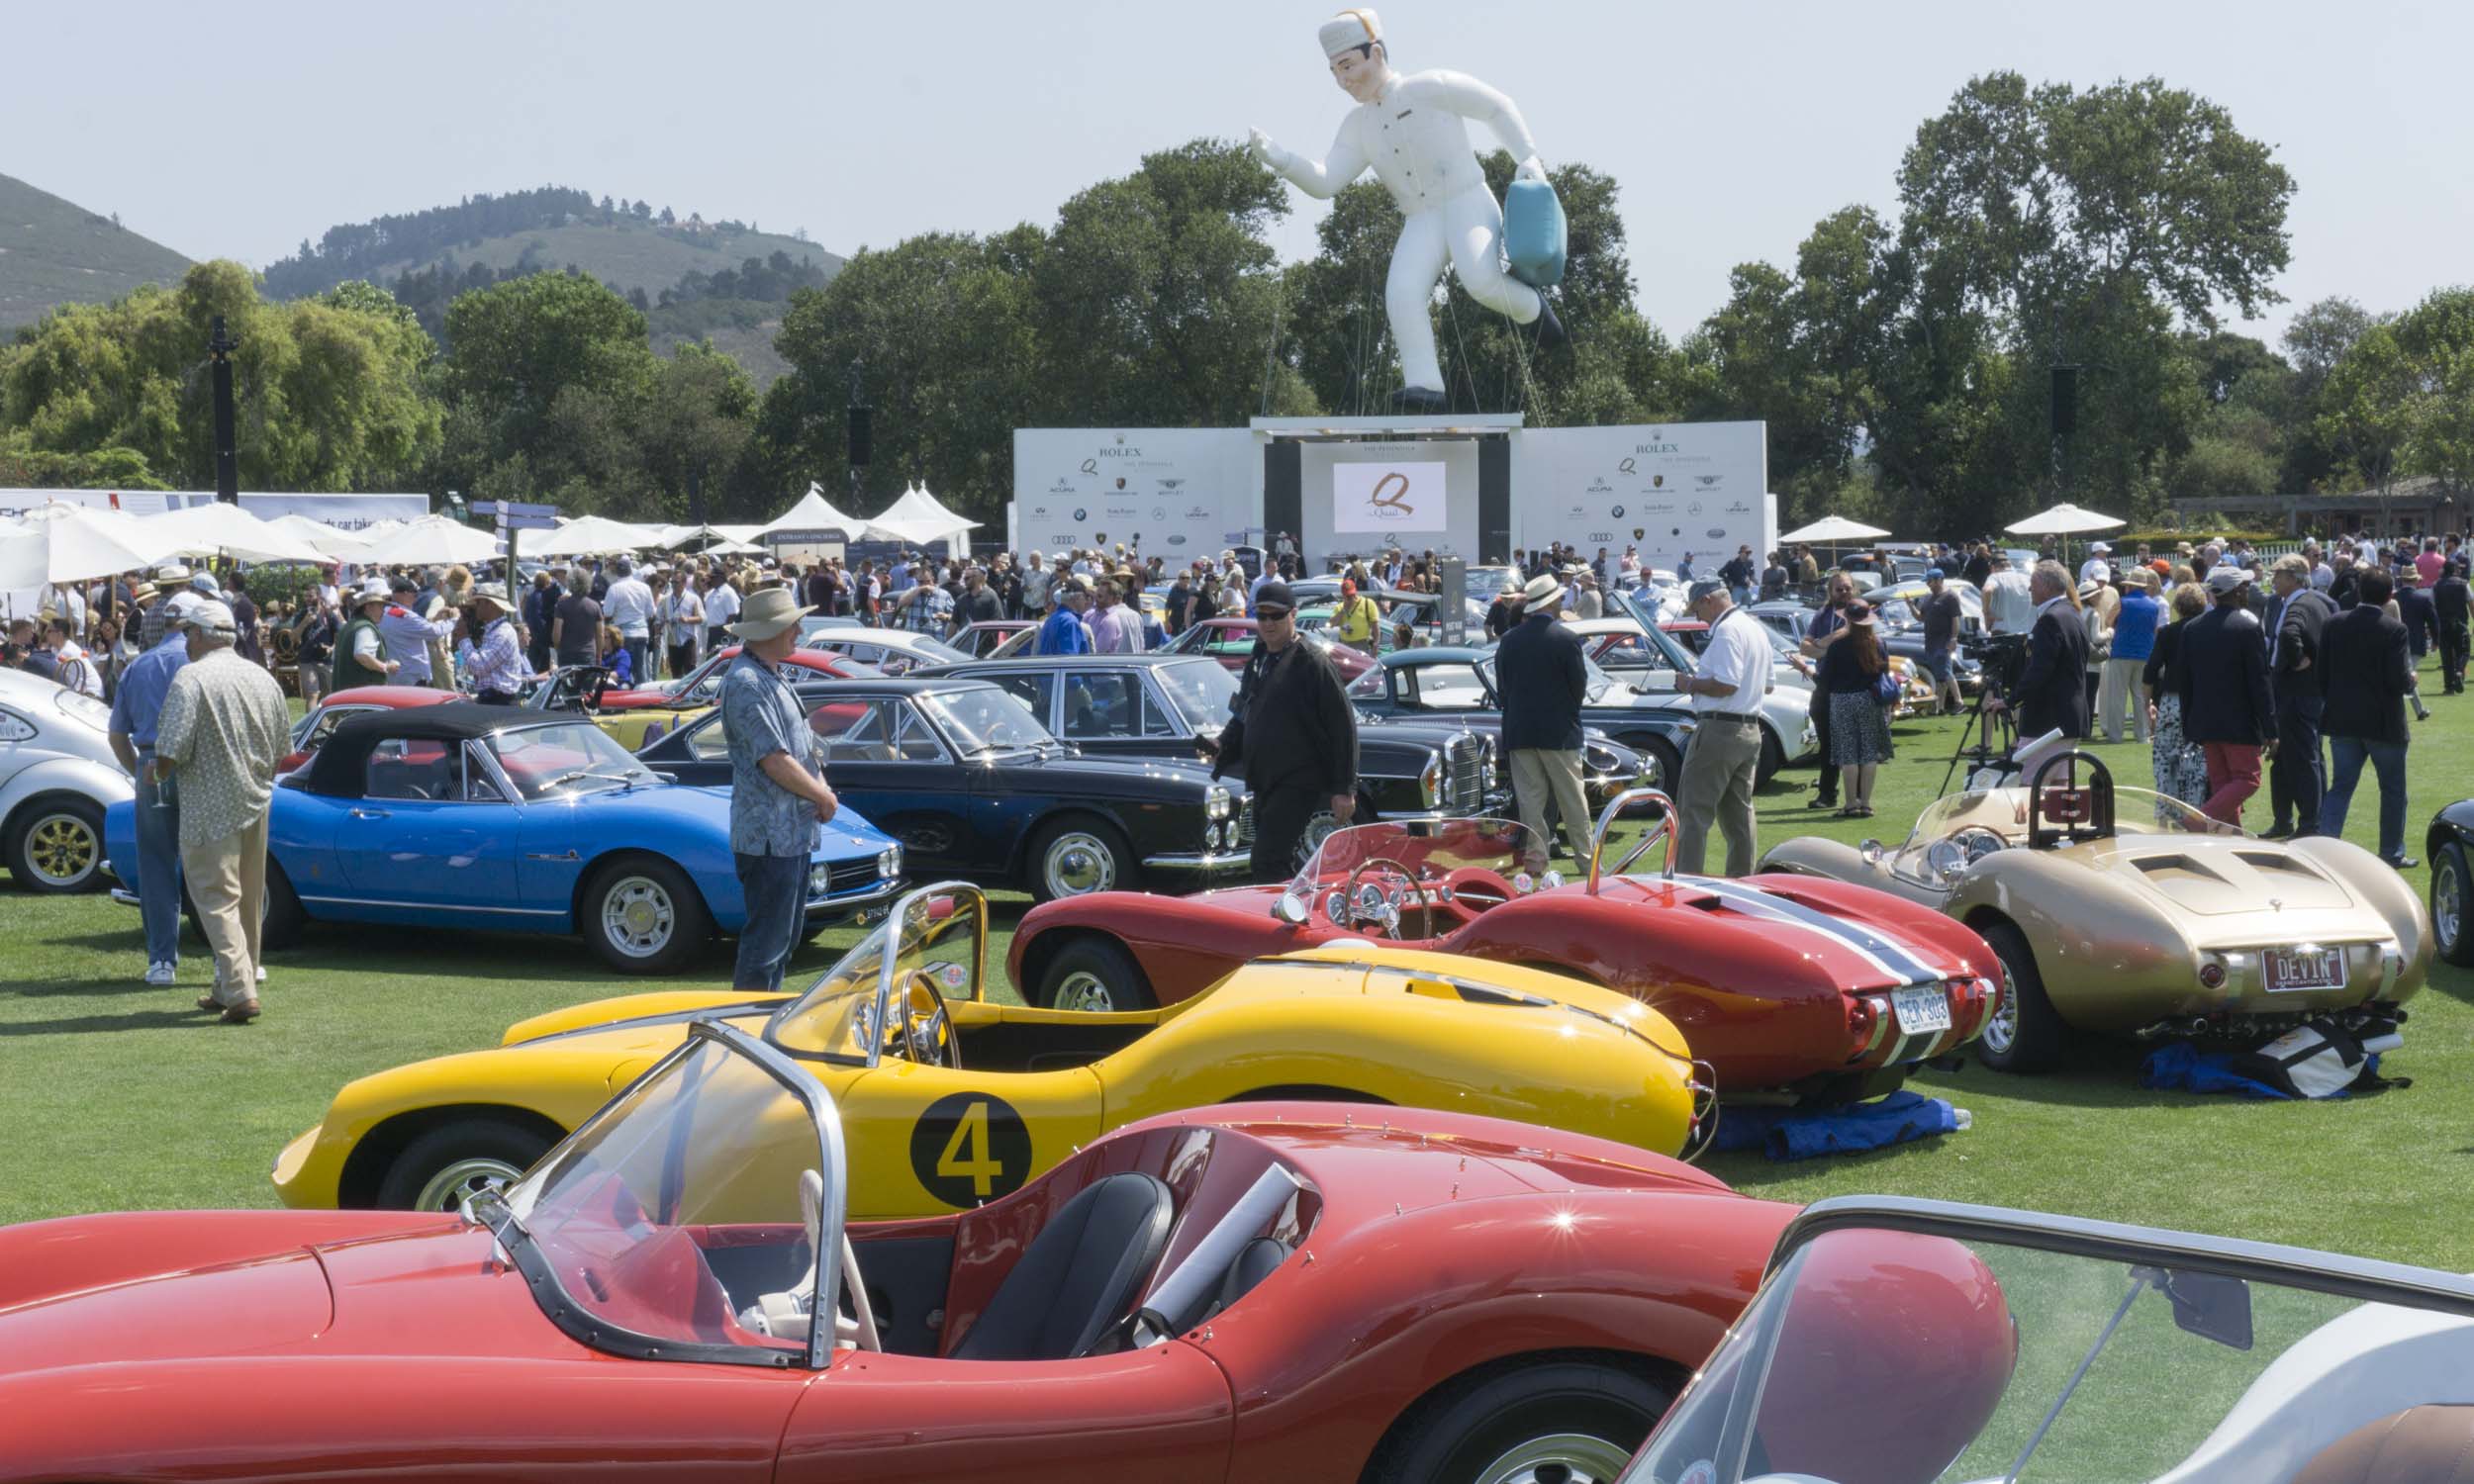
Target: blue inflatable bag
[(1534, 234)]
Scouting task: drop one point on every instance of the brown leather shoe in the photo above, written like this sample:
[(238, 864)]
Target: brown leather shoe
[(241, 1013), (210, 1003)]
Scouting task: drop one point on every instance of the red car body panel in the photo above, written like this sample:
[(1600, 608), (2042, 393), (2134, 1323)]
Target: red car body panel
[(288, 1345), (382, 698), (1773, 980), (824, 663)]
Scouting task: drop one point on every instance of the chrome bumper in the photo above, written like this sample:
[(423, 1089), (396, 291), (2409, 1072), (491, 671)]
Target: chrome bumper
[(862, 902), (1210, 863), (124, 896)]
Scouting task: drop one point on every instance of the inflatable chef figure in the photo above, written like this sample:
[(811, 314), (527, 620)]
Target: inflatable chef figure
[(1413, 131)]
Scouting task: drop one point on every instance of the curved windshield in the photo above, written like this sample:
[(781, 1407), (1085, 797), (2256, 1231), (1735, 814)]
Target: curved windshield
[(1429, 852), (920, 650), (859, 1010), (1202, 691), (2004, 811), (80, 707), (1985, 1359), (1594, 688), (988, 720), (565, 756), (665, 1224)]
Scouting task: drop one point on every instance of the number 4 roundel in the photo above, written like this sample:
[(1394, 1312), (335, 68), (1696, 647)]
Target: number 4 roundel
[(969, 1147)]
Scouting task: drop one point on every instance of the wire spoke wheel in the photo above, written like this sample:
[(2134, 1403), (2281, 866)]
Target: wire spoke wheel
[(451, 1186), (62, 851), (2001, 1028), (2448, 902), (638, 916), (1560, 1459)]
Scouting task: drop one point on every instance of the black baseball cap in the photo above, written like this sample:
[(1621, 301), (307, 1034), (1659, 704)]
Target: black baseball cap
[(1274, 594)]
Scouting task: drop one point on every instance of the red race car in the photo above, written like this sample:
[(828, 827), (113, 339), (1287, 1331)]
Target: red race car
[(337, 706), (1230, 640), (1831, 994), (701, 687), (1295, 1291)]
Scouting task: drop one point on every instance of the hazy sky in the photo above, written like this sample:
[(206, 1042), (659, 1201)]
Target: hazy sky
[(238, 130)]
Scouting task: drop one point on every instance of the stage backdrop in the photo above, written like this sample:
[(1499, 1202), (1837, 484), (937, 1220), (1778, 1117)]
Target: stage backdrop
[(1179, 492), (1361, 496), (1671, 489)]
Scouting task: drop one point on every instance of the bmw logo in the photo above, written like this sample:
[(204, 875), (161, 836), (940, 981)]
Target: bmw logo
[(1081, 514), (1619, 513)]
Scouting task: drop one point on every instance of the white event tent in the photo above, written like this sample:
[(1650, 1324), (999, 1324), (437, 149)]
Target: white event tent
[(589, 535), (813, 512), (919, 518), (432, 540)]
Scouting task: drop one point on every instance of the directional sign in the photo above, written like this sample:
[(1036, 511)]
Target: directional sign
[(505, 509), (527, 523)]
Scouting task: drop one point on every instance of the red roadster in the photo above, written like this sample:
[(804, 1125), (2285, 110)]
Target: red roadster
[(1781, 982), (1295, 1291)]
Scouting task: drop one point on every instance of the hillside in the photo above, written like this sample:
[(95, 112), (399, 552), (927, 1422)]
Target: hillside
[(55, 252), (624, 255)]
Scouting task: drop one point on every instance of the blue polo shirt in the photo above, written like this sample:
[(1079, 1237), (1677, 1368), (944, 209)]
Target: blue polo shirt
[(138, 705)]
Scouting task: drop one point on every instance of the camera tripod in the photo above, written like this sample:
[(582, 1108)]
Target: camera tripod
[(1981, 726)]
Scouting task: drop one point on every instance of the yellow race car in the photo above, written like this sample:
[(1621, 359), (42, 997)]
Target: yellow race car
[(963, 1099)]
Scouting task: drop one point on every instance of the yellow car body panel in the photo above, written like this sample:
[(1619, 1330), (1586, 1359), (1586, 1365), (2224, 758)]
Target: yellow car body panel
[(1362, 1022), (633, 729)]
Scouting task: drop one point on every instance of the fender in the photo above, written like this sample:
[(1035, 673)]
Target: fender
[(2387, 894), (64, 774)]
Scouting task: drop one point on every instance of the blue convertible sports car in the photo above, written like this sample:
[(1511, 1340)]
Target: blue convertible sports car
[(470, 816)]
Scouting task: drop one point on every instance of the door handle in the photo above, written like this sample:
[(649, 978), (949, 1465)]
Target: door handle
[(360, 814)]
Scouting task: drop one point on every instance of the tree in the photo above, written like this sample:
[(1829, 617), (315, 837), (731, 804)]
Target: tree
[(2369, 410), (556, 368)]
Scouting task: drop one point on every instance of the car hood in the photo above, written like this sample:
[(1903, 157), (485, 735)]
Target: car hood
[(2220, 878)]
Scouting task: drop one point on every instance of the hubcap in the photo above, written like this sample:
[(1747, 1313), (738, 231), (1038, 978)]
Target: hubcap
[(61, 849), (2002, 1026), (1563, 1459), (1087, 992), (638, 918), (450, 1187), (1317, 830), (1078, 865), (2448, 902)]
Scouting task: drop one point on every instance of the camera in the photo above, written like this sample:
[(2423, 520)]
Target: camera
[(2003, 656)]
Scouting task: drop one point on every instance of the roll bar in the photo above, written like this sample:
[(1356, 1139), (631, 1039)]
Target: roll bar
[(1666, 826)]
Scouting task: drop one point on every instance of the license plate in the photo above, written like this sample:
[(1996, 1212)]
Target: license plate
[(2306, 969), (1920, 1009)]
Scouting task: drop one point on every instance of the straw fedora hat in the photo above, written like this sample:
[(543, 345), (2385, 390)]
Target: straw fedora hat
[(768, 613)]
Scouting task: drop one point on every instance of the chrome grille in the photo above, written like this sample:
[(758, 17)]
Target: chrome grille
[(1464, 774), (1245, 825), (850, 875)]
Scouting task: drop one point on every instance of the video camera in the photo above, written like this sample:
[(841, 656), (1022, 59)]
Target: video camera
[(2003, 656)]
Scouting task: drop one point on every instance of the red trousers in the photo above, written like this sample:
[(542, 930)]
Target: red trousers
[(2233, 776)]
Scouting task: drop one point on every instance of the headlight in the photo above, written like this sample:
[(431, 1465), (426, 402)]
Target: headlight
[(1217, 803), (889, 863), (1430, 781), (820, 878), (1210, 837)]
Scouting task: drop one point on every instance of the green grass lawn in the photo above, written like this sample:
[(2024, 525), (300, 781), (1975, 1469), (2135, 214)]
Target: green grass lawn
[(116, 1095)]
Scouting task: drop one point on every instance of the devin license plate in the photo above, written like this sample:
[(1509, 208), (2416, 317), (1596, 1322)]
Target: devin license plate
[(1921, 1009), (2306, 969)]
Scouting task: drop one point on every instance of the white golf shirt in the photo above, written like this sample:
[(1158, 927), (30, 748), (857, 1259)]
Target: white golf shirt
[(1416, 137), (1739, 653)]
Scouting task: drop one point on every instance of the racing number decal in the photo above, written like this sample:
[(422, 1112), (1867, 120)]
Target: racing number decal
[(969, 1147)]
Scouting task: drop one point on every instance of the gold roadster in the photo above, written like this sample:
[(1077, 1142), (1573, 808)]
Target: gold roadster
[(2126, 912)]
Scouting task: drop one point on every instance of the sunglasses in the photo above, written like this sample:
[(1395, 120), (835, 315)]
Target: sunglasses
[(1270, 616)]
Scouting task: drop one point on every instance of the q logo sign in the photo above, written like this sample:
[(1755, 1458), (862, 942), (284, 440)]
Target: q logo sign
[(1628, 466), (969, 1147), (1090, 466), (1391, 498)]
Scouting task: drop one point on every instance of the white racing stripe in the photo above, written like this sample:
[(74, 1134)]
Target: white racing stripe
[(1884, 953)]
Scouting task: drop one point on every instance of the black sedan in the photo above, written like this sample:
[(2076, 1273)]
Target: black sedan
[(1458, 685), (973, 786), (1155, 706), (2449, 847)]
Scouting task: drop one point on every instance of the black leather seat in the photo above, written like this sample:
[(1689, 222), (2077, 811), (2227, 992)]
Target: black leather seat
[(1254, 1263), (1077, 1280)]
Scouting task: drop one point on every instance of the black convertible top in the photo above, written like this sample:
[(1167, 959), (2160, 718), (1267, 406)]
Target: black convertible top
[(342, 761)]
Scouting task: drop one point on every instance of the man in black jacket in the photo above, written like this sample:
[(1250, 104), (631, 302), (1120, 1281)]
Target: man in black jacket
[(2221, 671), (2366, 669), (2455, 605), (2298, 775), (1295, 735), (2052, 688), (1543, 681)]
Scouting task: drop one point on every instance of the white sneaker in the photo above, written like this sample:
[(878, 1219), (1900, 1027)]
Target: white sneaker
[(262, 973), (162, 972)]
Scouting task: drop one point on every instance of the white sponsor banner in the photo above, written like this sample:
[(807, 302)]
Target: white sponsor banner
[(1668, 490), (342, 511), (1400, 498), (1176, 493), (1359, 498)]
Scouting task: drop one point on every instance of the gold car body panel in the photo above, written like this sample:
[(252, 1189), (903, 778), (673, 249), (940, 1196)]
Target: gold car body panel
[(1424, 1030)]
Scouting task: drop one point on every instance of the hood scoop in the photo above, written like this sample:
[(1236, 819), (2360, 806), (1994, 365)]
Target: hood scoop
[(2221, 883)]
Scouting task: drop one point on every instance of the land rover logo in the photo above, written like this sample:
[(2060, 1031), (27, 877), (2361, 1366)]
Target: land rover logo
[(1177, 540), (1717, 532)]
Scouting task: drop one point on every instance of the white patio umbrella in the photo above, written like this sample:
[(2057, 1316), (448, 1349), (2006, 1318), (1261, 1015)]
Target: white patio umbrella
[(343, 546), (589, 535), (432, 540), (68, 543), (1830, 530), (2064, 520), (218, 529)]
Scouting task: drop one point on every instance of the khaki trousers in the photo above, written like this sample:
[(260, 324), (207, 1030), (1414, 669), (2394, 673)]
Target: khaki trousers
[(1716, 784), (2124, 685), (228, 880), (1537, 775)]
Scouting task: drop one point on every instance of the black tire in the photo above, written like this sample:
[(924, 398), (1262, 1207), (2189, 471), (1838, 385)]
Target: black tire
[(1585, 1416), (2025, 1034), (56, 845), (1076, 856), (2452, 903), (1773, 758), (439, 1169), (642, 915), (1669, 775), (1094, 974), (280, 911)]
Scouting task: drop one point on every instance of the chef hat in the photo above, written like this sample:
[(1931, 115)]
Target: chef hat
[(1349, 30)]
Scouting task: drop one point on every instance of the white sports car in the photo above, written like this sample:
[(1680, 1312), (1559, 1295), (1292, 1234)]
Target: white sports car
[(57, 776)]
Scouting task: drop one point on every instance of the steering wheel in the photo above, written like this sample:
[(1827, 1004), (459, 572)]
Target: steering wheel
[(1977, 841), (1409, 879), (927, 1030), (1488, 885)]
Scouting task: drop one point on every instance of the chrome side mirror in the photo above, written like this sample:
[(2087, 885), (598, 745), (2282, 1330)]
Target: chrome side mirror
[(1290, 908), (1871, 851)]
